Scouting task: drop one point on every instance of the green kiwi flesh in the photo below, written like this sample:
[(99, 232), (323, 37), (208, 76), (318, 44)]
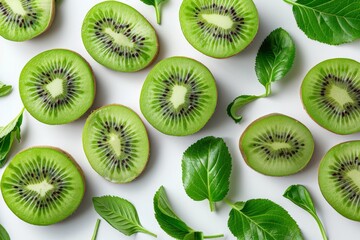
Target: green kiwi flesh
[(339, 179), (331, 95), (23, 20), (119, 37), (179, 96), (43, 185), (277, 145), (116, 143), (57, 86), (219, 28)]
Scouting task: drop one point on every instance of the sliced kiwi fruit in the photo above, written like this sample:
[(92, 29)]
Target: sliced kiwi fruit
[(57, 86), (116, 143), (178, 96), (331, 95), (119, 37), (277, 145), (219, 28), (22, 20), (339, 179), (43, 185)]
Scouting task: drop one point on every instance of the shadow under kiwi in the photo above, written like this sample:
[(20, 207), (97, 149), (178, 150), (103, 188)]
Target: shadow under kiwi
[(56, 25)]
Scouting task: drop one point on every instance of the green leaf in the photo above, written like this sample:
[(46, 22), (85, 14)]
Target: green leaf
[(299, 195), (171, 223), (3, 233), (156, 4), (166, 217), (120, 214), (5, 89), (239, 102), (274, 58), (206, 169), (273, 61), (332, 22), (96, 229), (261, 219), (194, 236), (7, 136)]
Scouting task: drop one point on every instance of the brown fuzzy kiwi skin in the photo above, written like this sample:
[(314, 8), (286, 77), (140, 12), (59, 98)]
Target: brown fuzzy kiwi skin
[(243, 153), (147, 135), (72, 160), (51, 19)]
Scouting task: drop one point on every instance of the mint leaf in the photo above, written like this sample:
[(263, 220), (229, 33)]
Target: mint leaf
[(206, 169), (3, 233), (171, 223), (156, 4), (274, 58), (332, 22), (273, 61), (5, 89), (166, 217), (96, 229), (260, 219), (238, 103), (120, 214), (299, 195), (7, 136)]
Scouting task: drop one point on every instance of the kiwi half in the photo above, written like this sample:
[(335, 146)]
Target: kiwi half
[(43, 185), (339, 179), (219, 28), (22, 20), (57, 86), (277, 145), (178, 96), (331, 95), (119, 37), (116, 143)]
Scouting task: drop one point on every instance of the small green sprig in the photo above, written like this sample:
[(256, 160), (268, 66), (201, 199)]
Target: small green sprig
[(157, 5), (8, 135), (5, 89), (273, 61), (299, 195)]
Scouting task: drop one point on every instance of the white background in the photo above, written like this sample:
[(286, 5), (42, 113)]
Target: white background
[(234, 76)]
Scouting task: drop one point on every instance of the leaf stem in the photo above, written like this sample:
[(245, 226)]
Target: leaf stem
[(149, 233), (268, 89), (289, 1), (228, 202), (96, 229), (214, 236), (158, 14), (321, 226), (212, 206)]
